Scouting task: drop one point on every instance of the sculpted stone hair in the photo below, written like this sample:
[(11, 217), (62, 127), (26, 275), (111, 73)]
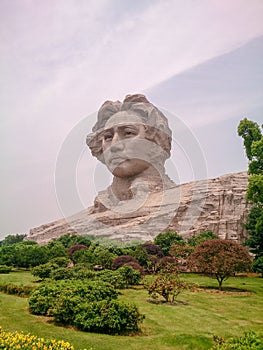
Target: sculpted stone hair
[(156, 124)]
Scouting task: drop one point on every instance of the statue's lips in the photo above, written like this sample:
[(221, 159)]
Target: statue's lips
[(117, 160)]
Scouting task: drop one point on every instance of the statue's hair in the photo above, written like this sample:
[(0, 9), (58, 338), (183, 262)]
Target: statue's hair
[(156, 124)]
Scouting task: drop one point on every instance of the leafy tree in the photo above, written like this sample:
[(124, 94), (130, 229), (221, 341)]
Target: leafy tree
[(165, 240), (141, 256), (71, 239), (8, 255), (102, 256), (12, 239), (168, 286), (167, 264), (152, 249), (180, 253), (201, 237), (30, 255), (56, 249), (253, 142), (254, 226), (219, 259), (258, 265)]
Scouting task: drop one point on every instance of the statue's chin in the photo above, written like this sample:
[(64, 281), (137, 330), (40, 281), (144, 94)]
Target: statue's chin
[(130, 167)]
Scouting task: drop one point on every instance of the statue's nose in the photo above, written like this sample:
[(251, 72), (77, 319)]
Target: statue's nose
[(116, 143)]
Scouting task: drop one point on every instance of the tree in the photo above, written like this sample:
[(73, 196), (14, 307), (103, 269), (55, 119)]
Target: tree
[(103, 257), (180, 253), (165, 240), (168, 286), (220, 259), (251, 133), (253, 142), (254, 226), (258, 265), (201, 237), (12, 239)]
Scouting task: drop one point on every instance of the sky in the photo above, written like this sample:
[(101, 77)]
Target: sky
[(198, 61)]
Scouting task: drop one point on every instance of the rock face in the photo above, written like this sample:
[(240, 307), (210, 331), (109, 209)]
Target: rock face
[(216, 204)]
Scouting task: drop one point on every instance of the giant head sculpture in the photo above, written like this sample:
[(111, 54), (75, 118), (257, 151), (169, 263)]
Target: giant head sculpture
[(133, 140)]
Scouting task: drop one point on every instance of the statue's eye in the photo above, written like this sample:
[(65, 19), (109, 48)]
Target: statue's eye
[(107, 137), (130, 133)]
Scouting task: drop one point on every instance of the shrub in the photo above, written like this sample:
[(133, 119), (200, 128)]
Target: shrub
[(135, 266), (112, 277), (61, 273), (74, 248), (44, 299), (249, 340), (5, 269), (110, 317), (129, 276), (61, 261), (43, 271), (90, 306), (122, 260)]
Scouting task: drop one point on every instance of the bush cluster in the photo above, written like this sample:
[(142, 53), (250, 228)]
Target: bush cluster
[(88, 305), (121, 278), (15, 340)]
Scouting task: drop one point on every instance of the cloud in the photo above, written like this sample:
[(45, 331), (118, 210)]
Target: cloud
[(60, 60)]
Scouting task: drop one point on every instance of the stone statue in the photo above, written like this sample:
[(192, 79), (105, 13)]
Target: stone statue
[(133, 140)]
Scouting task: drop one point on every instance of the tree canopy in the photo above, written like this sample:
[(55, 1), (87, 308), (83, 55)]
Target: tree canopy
[(253, 142), (220, 259)]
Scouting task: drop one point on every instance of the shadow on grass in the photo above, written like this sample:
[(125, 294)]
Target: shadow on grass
[(225, 290), (163, 302)]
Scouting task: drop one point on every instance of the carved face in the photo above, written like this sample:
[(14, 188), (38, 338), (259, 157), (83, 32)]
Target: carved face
[(125, 150)]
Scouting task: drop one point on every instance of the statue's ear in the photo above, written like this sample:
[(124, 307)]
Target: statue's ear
[(136, 98)]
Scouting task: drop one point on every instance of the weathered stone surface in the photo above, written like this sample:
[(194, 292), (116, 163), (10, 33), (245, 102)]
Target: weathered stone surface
[(217, 204)]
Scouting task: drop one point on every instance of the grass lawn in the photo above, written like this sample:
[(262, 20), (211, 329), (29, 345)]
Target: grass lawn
[(188, 325)]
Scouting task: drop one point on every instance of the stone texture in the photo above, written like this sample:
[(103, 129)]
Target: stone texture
[(216, 204)]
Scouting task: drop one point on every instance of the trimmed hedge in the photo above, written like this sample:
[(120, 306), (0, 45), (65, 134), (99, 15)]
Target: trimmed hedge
[(13, 289), (5, 269)]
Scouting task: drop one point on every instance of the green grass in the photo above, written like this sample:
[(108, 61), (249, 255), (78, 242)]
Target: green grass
[(188, 325)]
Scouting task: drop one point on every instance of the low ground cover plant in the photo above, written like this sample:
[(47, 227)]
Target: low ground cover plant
[(15, 340)]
